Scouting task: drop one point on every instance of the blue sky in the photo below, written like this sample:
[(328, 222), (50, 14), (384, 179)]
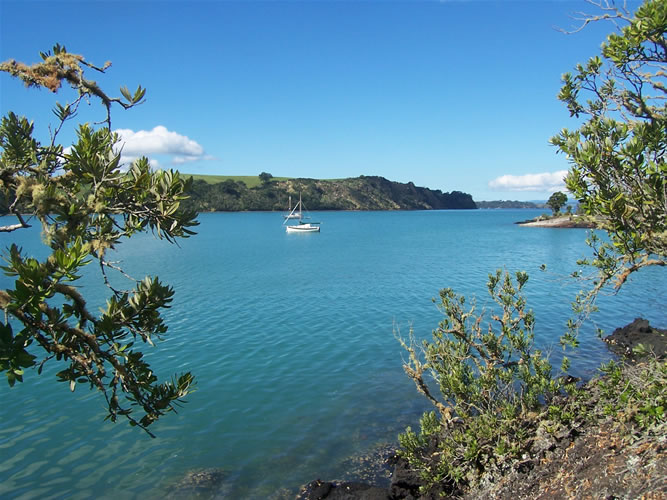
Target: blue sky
[(451, 95)]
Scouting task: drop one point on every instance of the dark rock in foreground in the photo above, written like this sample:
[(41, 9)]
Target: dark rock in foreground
[(625, 341), (334, 490), (582, 461)]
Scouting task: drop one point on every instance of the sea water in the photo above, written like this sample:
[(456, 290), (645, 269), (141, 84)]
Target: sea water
[(292, 338)]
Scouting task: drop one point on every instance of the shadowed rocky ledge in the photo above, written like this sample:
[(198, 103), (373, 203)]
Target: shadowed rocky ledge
[(581, 461)]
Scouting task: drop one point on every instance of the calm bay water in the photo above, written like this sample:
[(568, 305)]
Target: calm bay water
[(291, 337)]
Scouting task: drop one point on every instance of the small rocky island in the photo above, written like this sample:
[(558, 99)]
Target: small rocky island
[(560, 221)]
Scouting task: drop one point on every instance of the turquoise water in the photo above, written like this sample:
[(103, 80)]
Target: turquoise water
[(291, 337)]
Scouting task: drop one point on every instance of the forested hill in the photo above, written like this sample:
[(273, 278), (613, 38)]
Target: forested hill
[(509, 204), (360, 193)]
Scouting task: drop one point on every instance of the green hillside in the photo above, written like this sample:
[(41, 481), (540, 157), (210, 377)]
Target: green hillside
[(250, 181), (248, 193)]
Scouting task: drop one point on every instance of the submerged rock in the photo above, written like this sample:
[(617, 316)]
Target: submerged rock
[(199, 483), (368, 477), (374, 467)]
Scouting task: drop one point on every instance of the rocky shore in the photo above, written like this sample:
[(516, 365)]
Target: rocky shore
[(583, 460), (566, 221)]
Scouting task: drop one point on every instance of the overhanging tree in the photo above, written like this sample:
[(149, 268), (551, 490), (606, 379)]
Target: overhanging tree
[(492, 380), (86, 205), (617, 156)]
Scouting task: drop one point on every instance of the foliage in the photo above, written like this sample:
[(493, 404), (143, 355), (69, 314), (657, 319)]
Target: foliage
[(492, 381), (86, 205), (492, 384), (556, 201), (250, 181), (635, 396), (265, 177), (617, 155), (507, 204), (628, 396), (360, 193)]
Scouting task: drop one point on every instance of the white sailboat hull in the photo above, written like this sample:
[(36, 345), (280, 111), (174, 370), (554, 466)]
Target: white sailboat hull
[(303, 228)]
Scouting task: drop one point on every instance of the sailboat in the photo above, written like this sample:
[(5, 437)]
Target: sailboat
[(301, 227), (292, 214)]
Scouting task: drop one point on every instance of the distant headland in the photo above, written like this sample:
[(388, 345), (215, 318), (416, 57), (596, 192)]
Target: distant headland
[(268, 193), (509, 204)]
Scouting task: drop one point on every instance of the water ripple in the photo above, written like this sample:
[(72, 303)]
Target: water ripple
[(292, 342)]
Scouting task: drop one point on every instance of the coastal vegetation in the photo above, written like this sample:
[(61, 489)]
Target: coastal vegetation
[(86, 205), (491, 379), (359, 193), (556, 201), (508, 204), (617, 156), (498, 396), (250, 181), (498, 403)]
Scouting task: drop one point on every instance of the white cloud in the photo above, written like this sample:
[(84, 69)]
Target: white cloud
[(126, 161), (530, 182), (184, 159), (158, 141)]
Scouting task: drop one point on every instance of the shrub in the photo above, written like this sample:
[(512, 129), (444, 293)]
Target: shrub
[(492, 382)]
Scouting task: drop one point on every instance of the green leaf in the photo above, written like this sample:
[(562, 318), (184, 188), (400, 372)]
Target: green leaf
[(126, 93)]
